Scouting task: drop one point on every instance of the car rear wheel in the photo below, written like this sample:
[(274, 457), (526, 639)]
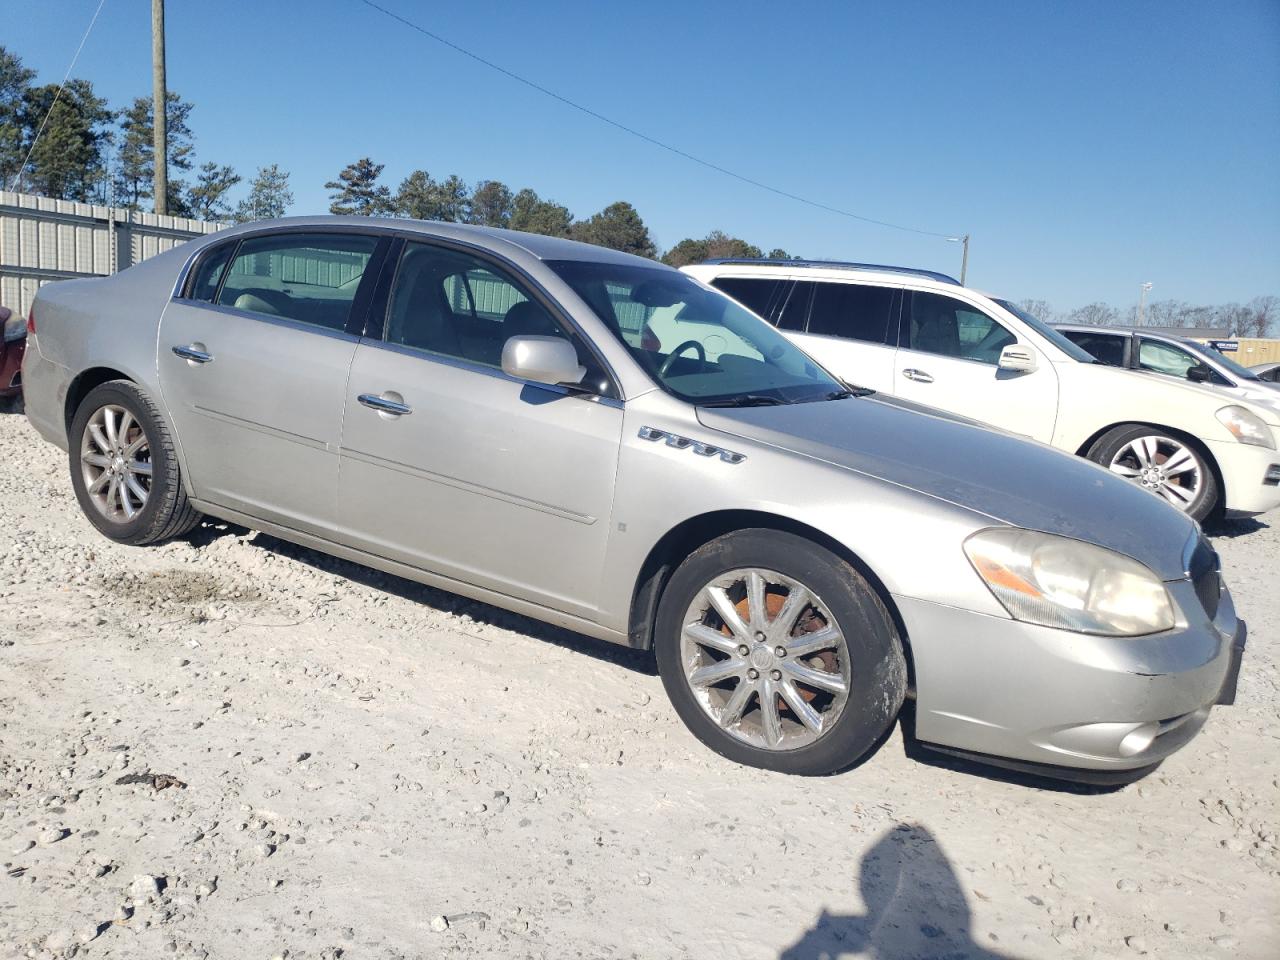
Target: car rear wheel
[(778, 654), (124, 469), (1171, 467)]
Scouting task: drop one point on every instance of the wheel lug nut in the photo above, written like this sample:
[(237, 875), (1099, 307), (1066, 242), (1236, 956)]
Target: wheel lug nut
[(760, 635), (776, 674), (779, 651), (743, 650), (753, 674)]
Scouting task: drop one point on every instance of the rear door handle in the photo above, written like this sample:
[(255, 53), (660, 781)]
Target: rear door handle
[(919, 376), (383, 405), (193, 354)]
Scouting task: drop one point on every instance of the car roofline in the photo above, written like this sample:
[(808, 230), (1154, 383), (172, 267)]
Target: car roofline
[(830, 265)]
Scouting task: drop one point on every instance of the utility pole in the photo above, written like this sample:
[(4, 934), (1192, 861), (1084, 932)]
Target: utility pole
[(1142, 305), (159, 110), (964, 259)]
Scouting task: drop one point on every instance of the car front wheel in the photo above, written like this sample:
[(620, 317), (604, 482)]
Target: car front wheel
[(778, 654), (1169, 466), (124, 468)]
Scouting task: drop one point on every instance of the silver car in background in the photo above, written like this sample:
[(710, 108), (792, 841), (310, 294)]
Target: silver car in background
[(487, 412)]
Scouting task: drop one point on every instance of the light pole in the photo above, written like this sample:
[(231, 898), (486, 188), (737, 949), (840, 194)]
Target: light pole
[(964, 258), (1142, 304)]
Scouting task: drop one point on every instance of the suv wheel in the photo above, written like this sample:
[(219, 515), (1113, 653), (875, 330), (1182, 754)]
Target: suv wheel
[(1166, 465), (778, 654), (124, 469)]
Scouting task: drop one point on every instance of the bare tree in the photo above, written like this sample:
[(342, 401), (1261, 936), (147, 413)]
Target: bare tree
[(1097, 313), (1264, 313)]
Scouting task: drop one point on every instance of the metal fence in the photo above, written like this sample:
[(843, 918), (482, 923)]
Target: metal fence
[(42, 240)]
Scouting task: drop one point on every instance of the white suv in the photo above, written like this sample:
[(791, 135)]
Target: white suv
[(922, 336)]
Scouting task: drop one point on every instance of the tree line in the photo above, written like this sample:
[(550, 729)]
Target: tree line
[(1257, 318), (491, 203)]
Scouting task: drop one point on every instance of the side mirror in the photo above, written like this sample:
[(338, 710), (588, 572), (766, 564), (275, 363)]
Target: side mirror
[(1199, 373), (550, 360), (1018, 359)]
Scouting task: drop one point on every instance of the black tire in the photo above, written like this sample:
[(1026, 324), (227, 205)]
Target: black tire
[(1203, 504), (166, 512), (878, 671)]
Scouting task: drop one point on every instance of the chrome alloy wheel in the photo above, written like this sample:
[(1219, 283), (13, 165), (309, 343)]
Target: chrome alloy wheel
[(1162, 465), (115, 458), (765, 659)]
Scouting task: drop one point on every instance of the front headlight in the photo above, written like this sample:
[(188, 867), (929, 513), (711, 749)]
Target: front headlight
[(1058, 582), (1247, 427)]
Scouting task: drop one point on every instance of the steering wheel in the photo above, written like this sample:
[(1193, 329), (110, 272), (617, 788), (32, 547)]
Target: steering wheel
[(671, 357)]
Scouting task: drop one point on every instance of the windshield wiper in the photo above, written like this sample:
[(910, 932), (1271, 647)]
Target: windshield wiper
[(746, 400), (850, 390)]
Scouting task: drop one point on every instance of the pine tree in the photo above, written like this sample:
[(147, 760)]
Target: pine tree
[(356, 191), (269, 196)]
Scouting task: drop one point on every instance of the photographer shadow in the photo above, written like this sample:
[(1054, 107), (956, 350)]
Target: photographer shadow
[(914, 908)]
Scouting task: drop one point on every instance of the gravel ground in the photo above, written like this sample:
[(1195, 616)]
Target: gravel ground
[(232, 747)]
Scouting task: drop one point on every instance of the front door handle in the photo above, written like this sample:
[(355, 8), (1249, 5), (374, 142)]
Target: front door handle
[(393, 407), (919, 376), (193, 353)]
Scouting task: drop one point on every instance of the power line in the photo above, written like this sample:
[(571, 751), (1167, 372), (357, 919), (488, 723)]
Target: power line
[(644, 136), (17, 178)]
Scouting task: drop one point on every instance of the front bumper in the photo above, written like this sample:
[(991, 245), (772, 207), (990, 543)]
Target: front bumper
[(1248, 474), (1015, 691)]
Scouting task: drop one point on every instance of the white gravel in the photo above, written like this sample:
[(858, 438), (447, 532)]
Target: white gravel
[(354, 766)]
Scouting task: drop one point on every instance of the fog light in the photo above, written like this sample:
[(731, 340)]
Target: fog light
[(1272, 479), (1138, 739)]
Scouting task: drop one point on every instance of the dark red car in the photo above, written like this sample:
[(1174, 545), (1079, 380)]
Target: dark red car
[(12, 346)]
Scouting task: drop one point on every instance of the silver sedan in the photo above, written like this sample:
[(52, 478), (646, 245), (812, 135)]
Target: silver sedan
[(493, 413)]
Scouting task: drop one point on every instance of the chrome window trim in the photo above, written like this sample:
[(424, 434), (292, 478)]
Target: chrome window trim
[(392, 231), (299, 325), (471, 366)]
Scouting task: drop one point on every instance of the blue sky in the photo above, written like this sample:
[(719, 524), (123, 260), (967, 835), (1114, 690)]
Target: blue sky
[(1085, 146)]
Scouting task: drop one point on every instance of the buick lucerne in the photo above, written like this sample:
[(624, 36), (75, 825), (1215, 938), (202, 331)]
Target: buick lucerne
[(491, 413)]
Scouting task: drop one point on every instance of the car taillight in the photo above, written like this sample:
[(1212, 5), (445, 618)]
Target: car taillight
[(31, 319)]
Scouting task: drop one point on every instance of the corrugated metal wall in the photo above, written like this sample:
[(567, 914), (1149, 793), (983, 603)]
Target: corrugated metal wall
[(42, 240)]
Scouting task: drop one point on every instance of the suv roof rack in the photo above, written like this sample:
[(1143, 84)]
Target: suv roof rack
[(837, 264)]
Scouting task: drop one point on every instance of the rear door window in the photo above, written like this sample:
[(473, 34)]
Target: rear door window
[(309, 278), (204, 285), (1104, 347), (855, 312)]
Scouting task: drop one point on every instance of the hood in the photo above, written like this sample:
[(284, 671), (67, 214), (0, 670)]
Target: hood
[(1207, 393), (1013, 480)]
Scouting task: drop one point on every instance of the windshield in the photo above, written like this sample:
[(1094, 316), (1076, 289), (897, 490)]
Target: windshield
[(696, 343), (1055, 337), (1244, 373)]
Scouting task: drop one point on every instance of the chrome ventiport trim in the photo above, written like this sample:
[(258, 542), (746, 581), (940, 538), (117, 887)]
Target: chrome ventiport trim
[(685, 443)]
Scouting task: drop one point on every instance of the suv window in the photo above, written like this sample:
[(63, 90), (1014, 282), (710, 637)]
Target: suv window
[(757, 294), (1165, 358), (952, 328), (310, 278), (854, 311), (795, 312), (456, 305), (1107, 348)]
